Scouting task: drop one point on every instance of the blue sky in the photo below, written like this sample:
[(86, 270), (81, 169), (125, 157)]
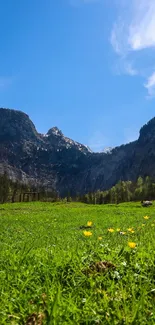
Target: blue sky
[(86, 66)]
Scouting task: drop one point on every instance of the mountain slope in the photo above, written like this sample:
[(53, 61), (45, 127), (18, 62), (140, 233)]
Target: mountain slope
[(66, 165)]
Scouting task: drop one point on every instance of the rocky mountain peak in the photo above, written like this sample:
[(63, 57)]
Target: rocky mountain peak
[(147, 132), (55, 131), (15, 126), (107, 150)]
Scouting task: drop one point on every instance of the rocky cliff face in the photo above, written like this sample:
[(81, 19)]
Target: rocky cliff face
[(68, 166)]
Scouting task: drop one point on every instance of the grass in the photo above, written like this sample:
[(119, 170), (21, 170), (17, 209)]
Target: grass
[(45, 258)]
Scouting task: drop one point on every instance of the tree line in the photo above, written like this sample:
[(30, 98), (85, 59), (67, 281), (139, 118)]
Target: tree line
[(15, 190), (123, 191)]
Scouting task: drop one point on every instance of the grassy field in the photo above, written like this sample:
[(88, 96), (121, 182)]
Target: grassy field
[(50, 271)]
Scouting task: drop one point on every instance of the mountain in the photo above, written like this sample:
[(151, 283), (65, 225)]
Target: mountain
[(107, 150), (58, 162)]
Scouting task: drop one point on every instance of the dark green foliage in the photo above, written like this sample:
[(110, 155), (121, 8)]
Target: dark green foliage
[(142, 189), (127, 191), (4, 187), (11, 191)]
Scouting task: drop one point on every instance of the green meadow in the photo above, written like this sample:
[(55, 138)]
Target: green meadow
[(56, 268)]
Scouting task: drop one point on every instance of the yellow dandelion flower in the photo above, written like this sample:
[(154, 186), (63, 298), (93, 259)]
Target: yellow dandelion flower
[(89, 223), (146, 217), (87, 233), (99, 238), (143, 224), (131, 244), (130, 229), (118, 229), (111, 230)]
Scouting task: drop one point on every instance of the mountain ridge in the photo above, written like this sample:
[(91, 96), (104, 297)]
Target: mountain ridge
[(59, 162)]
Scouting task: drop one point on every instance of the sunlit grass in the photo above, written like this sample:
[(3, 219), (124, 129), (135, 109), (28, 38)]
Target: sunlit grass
[(44, 255)]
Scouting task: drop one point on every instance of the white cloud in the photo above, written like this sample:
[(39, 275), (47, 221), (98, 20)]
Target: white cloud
[(142, 27), (125, 67), (150, 85), (117, 37), (133, 32), (135, 27), (129, 69)]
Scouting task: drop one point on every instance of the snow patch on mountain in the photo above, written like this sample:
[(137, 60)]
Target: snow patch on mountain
[(107, 150)]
